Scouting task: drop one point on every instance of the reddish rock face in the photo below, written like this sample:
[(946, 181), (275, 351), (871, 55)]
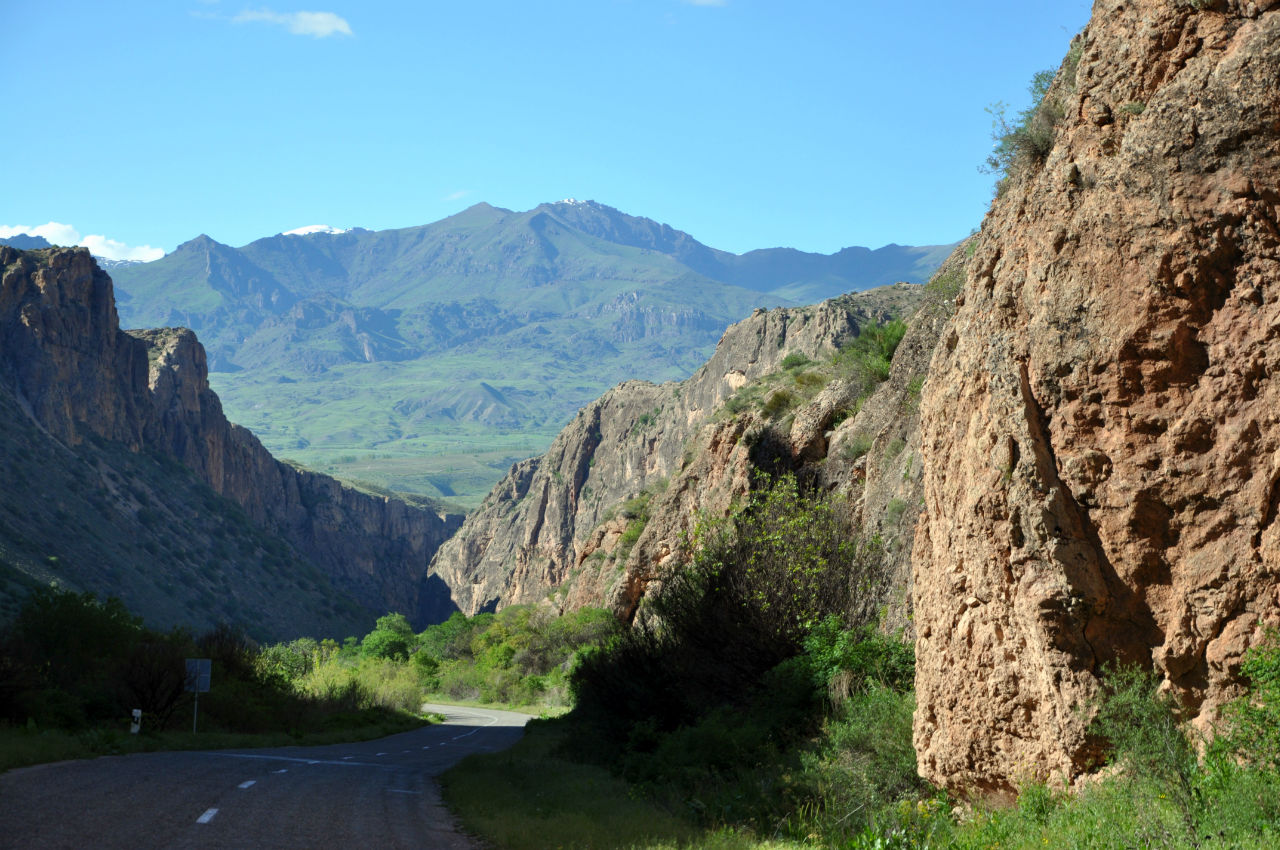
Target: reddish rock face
[(1101, 426)]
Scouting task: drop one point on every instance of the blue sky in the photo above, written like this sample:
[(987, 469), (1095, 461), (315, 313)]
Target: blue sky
[(747, 123)]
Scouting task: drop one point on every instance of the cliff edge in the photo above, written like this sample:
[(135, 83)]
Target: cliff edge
[(1101, 425)]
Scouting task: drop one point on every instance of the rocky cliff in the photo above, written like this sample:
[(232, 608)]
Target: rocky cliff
[(1100, 434), (79, 377), (532, 528), (610, 506)]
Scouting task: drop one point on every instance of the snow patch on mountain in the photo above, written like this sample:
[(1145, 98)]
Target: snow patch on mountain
[(315, 228)]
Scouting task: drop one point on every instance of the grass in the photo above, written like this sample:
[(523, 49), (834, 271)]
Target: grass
[(423, 426), (854, 784), (863, 794), (531, 797)]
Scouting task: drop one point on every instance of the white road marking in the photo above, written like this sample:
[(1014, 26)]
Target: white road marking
[(296, 760), (249, 783), (426, 748), (492, 720), (281, 770), (347, 758), (382, 754), (207, 816)]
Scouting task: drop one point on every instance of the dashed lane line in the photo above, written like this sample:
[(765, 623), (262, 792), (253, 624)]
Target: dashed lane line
[(298, 760), (248, 783), (207, 816)]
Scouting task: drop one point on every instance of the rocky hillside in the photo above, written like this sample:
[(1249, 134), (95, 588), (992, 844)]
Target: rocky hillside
[(1099, 428), (600, 515), (78, 388)]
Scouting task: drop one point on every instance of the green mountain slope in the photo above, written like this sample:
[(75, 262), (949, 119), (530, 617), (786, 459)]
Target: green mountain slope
[(428, 358)]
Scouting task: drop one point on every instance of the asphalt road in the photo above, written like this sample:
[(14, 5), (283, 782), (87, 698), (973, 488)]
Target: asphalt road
[(374, 794)]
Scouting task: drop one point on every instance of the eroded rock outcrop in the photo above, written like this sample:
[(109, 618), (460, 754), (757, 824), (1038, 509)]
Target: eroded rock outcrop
[(540, 526), (78, 375), (1101, 425)]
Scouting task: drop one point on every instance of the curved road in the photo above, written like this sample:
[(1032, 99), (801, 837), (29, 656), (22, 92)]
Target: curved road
[(371, 794)]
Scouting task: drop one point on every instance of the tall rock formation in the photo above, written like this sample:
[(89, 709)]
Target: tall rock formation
[(539, 524), (612, 504), (79, 377), (1101, 425)]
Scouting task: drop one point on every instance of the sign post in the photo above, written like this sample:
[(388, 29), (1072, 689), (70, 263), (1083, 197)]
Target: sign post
[(199, 672)]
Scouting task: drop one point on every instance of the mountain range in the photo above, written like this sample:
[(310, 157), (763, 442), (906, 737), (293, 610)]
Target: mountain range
[(386, 356)]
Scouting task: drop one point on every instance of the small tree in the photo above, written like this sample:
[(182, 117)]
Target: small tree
[(392, 637)]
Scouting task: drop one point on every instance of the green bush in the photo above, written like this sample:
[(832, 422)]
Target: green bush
[(1252, 728), (1026, 141), (62, 661), (1141, 725), (778, 403), (794, 360), (857, 447), (852, 786), (845, 661), (392, 637), (866, 359), (757, 585)]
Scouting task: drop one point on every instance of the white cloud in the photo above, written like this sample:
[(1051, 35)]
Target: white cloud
[(458, 195), (315, 24), (112, 249), (98, 245)]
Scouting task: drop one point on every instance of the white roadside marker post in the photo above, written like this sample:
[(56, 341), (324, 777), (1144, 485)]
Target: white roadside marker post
[(136, 723)]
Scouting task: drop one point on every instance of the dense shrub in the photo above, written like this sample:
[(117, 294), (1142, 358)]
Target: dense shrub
[(1025, 141), (794, 360), (520, 656), (760, 583), (391, 638), (868, 356), (1252, 728)]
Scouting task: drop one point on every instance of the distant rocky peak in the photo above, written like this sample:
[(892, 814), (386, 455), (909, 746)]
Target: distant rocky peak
[(26, 242), (203, 242)]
